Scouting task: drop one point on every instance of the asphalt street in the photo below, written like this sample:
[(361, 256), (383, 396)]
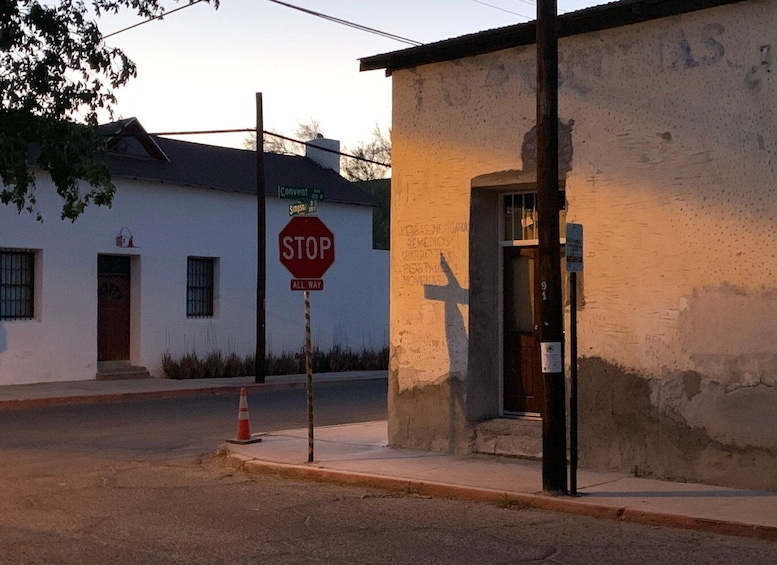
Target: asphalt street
[(139, 483)]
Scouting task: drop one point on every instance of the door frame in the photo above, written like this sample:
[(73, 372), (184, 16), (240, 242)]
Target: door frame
[(134, 298), (536, 379), (527, 243)]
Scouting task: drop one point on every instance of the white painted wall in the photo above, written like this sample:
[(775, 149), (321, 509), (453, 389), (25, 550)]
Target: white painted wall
[(170, 223)]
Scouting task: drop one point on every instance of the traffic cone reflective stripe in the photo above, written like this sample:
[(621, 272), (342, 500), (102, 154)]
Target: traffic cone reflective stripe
[(243, 425)]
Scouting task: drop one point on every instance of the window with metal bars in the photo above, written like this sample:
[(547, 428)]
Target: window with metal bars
[(200, 287), (17, 285), (520, 213)]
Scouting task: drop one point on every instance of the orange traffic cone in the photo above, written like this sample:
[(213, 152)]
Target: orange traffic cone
[(243, 423)]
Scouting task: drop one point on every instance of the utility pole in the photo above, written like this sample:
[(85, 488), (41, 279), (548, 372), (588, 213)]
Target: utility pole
[(261, 245), (554, 437)]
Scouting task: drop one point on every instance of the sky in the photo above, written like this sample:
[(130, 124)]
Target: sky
[(200, 68)]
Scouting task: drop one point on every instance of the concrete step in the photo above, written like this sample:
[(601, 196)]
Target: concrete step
[(514, 437), (119, 371)]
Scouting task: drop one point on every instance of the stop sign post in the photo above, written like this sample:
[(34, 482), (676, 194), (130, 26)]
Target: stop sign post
[(307, 250)]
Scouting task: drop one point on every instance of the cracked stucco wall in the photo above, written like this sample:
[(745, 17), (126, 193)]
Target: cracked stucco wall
[(673, 177)]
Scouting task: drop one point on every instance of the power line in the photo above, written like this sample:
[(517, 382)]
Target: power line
[(159, 17), (533, 4), (348, 24), (252, 130), (501, 9), (358, 158)]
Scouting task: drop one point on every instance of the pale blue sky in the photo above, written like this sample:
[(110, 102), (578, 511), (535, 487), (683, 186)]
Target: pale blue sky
[(199, 69)]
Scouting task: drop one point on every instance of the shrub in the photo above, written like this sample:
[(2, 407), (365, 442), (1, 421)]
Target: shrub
[(215, 365)]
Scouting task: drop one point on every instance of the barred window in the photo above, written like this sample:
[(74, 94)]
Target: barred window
[(521, 216), (200, 287), (17, 285)]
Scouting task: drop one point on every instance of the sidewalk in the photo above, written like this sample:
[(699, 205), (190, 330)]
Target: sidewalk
[(358, 454), (93, 391)]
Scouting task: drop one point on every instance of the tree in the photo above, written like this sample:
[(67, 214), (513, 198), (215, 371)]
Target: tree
[(277, 144), (56, 73), (377, 149)]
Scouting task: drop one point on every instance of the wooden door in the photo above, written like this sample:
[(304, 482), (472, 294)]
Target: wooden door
[(113, 308), (523, 383)]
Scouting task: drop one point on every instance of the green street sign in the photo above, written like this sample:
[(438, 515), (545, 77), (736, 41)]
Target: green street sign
[(302, 208), (300, 193)]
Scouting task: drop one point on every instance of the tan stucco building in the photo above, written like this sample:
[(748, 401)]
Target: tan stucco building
[(668, 150)]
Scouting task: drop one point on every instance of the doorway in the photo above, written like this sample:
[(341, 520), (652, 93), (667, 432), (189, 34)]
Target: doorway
[(523, 382), (113, 308)]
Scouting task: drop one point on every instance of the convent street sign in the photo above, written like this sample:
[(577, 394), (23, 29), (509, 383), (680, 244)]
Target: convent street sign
[(300, 193), (306, 198)]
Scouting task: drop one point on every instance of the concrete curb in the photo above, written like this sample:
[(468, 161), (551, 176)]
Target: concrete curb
[(160, 394), (567, 505)]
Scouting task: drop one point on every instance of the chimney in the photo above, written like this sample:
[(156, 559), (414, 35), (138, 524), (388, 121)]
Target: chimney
[(324, 158)]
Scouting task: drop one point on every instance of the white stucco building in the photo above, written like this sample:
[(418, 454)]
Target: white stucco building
[(667, 157), (75, 294)]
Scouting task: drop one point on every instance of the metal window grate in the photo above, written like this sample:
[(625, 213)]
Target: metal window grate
[(17, 285), (520, 213), (199, 287)]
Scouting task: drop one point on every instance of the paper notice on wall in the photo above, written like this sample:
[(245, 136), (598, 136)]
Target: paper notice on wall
[(551, 357)]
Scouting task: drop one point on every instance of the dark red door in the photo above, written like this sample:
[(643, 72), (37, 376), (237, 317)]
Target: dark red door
[(523, 384), (113, 308)]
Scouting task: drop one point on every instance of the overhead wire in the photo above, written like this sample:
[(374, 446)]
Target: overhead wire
[(348, 23), (159, 17), (358, 158), (501, 9), (252, 130), (533, 4), (287, 5)]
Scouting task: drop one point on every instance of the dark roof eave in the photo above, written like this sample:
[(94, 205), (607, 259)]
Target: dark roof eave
[(596, 18), (368, 201)]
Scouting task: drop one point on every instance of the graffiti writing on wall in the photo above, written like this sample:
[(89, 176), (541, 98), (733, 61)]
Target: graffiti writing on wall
[(677, 50), (422, 245)]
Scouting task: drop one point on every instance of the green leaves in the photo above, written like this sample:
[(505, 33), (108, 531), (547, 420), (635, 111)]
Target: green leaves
[(73, 155), (56, 73)]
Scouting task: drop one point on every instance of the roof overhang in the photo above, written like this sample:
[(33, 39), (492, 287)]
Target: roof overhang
[(597, 18)]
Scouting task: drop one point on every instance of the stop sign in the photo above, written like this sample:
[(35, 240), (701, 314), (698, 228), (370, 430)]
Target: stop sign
[(307, 247)]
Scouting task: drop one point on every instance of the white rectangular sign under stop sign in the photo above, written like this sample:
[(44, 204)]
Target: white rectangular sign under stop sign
[(550, 353)]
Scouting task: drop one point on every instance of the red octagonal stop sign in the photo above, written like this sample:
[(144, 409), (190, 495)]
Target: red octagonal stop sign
[(307, 247)]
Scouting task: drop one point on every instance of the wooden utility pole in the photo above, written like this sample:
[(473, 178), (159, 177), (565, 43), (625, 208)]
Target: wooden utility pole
[(554, 440), (261, 245)]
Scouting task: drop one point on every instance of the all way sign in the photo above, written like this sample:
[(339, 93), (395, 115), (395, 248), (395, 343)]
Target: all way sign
[(307, 284)]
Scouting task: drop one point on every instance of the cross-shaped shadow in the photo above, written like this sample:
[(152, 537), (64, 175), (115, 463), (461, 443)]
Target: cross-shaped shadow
[(452, 295)]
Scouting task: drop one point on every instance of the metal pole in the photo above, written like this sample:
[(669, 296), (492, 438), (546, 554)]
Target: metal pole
[(573, 453), (309, 374), (261, 246), (554, 448)]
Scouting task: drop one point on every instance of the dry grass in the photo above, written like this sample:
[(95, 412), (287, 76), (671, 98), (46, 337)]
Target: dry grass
[(216, 365)]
